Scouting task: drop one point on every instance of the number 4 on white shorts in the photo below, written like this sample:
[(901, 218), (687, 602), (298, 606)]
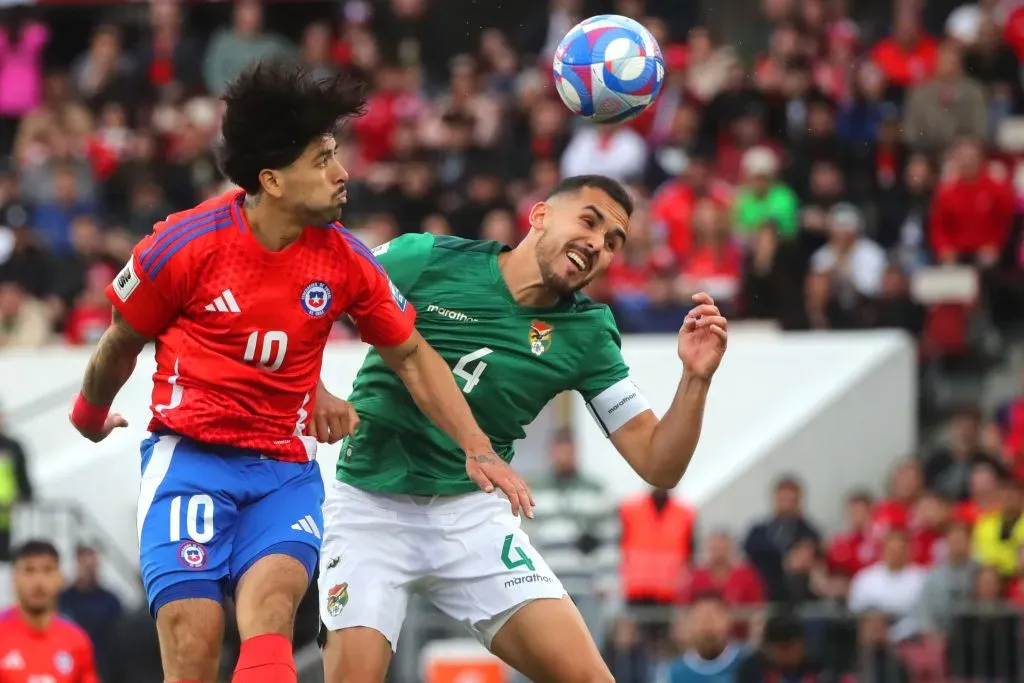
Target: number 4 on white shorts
[(522, 559)]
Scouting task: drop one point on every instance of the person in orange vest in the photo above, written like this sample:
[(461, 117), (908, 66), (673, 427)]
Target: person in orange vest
[(656, 548)]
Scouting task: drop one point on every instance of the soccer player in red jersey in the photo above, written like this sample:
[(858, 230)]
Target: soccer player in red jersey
[(240, 294), (36, 644)]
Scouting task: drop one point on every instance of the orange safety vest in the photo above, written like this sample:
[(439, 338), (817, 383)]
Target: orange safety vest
[(655, 548)]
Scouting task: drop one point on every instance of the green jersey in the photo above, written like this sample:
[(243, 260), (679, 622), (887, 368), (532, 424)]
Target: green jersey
[(509, 360)]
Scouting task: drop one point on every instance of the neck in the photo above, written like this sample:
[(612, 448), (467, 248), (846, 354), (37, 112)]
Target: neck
[(271, 228), (38, 621), (522, 276)]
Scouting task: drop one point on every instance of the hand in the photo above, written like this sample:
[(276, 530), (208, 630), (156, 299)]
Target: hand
[(488, 471), (333, 418), (702, 338), (113, 421)]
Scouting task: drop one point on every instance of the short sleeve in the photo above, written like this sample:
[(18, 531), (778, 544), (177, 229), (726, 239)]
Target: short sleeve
[(149, 289), (405, 257), (382, 314), (610, 395)]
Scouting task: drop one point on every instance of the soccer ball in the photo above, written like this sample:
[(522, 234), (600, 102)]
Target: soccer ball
[(608, 69)]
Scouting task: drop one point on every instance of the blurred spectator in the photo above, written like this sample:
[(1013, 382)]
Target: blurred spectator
[(783, 654), (993, 65), (707, 65), (15, 485), (985, 643), (135, 651), (972, 213), (826, 189), (894, 307), (25, 323), (805, 575), (41, 129), (92, 607), (714, 263), (53, 215), (876, 660), (852, 261), (656, 547), (624, 653), (768, 542), (892, 585), (762, 197), (984, 494), (577, 528), (895, 512), (169, 55), (856, 546), (819, 142), (233, 49), (999, 535), (672, 208), (904, 212), (771, 278), (931, 516), (723, 575), (615, 151), (947, 107), (908, 56), (948, 468), (104, 73), (949, 584), (860, 118), (21, 74), (710, 655)]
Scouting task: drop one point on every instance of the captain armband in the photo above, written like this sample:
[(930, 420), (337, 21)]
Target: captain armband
[(617, 405)]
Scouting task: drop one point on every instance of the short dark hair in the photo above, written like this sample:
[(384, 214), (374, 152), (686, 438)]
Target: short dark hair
[(611, 187), (35, 548), (274, 111)]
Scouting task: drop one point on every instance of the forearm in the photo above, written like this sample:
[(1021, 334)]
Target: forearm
[(111, 363), (675, 437), (432, 386)]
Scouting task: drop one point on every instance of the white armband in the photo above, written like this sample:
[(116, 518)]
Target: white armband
[(617, 405)]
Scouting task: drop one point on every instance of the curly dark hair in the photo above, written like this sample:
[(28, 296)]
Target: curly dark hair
[(274, 111)]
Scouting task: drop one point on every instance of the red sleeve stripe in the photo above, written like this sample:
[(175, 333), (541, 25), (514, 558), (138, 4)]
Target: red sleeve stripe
[(181, 233)]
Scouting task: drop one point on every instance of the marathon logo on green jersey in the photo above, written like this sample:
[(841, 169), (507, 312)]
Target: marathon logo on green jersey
[(457, 316)]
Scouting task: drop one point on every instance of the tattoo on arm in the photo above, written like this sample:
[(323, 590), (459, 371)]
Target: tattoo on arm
[(112, 362)]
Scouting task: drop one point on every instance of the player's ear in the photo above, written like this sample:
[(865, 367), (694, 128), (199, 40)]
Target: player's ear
[(272, 183), (537, 214)]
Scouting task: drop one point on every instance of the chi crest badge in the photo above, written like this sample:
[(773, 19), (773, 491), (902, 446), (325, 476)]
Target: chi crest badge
[(540, 337), (337, 598)]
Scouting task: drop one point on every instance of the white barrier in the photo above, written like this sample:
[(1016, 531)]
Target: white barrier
[(835, 408)]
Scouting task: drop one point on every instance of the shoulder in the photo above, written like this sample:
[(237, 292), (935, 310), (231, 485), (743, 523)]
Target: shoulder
[(346, 245), (184, 234), (599, 315), (69, 631), (8, 617), (460, 244)]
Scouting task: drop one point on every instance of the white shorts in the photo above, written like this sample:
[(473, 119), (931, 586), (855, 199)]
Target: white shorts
[(465, 553)]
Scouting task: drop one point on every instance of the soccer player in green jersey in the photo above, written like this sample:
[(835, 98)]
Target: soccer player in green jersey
[(404, 515)]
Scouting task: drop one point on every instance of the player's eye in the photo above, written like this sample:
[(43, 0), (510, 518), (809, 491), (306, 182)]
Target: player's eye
[(589, 222)]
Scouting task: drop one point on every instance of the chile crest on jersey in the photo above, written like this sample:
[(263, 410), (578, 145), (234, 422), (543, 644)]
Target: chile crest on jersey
[(316, 299)]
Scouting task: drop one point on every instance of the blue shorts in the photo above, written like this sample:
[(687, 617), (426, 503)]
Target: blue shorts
[(208, 513)]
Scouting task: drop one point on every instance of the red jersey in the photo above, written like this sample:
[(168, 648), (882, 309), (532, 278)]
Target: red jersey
[(927, 546), (740, 586), (890, 514), (851, 551), (60, 653), (240, 331)]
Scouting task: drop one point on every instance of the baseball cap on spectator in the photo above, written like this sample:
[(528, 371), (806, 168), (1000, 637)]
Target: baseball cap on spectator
[(759, 161)]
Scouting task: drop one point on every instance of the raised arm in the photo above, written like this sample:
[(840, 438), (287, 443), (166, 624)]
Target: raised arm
[(660, 450), (110, 366)]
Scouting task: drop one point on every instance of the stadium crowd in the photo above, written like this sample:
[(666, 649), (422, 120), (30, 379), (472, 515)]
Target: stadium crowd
[(806, 177)]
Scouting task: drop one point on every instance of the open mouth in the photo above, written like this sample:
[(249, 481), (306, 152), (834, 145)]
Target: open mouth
[(578, 259)]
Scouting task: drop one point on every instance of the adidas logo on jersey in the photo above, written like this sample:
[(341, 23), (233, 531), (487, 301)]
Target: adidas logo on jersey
[(457, 316), (225, 303), (13, 661), (308, 525)]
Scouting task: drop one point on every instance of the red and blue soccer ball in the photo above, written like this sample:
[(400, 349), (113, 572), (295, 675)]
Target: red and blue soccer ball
[(608, 69)]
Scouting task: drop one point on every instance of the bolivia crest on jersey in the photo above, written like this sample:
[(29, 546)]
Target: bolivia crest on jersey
[(540, 337), (316, 298), (337, 598)]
